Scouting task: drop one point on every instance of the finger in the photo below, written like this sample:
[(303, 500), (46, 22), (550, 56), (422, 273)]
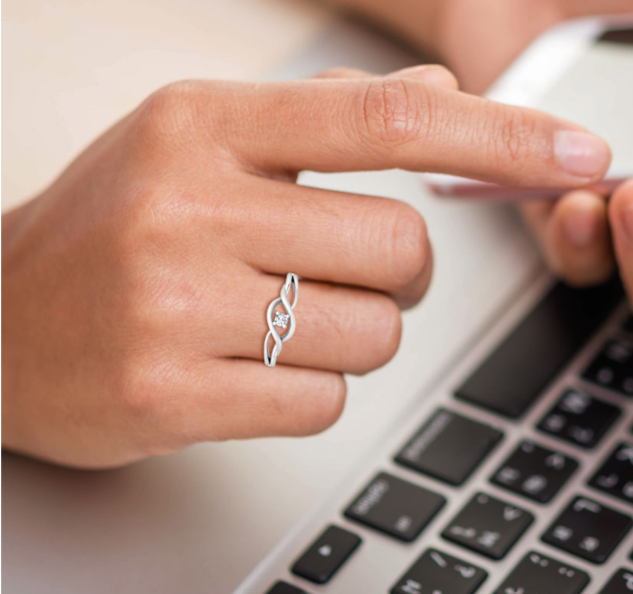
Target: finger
[(342, 125), (432, 74), (342, 72), (337, 328), (574, 236), (252, 400), (621, 219), (323, 235), (596, 7)]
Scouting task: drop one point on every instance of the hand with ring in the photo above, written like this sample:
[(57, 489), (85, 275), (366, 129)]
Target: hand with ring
[(135, 288)]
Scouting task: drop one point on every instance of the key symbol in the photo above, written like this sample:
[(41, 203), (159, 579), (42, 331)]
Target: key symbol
[(535, 484), (555, 461), (590, 544), (465, 572), (555, 423), (580, 434), (403, 523), (325, 551), (607, 481), (488, 539), (465, 532), (412, 587), (628, 578), (585, 504), (575, 403), (511, 513), (563, 533), (605, 375), (508, 475), (625, 455), (438, 559), (619, 352)]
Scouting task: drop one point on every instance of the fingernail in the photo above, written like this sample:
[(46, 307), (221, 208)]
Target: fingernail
[(581, 226), (408, 70), (582, 154)]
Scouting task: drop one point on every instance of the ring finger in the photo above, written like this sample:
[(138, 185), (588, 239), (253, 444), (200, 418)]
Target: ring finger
[(338, 328)]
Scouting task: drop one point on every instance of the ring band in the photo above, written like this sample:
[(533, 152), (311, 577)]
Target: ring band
[(281, 320)]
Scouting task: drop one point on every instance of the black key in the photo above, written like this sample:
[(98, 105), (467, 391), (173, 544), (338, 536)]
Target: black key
[(518, 370), (326, 554), (535, 472), (588, 530), (538, 574), (579, 418), (449, 447), (620, 583), (488, 526), (285, 588), (615, 476), (438, 573), (613, 367), (396, 507)]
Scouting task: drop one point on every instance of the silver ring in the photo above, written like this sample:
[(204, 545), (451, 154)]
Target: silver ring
[(281, 320)]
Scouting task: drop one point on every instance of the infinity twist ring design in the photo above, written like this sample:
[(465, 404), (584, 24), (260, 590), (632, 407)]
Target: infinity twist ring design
[(281, 320)]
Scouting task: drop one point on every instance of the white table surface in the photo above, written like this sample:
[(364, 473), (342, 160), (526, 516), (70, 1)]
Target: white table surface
[(198, 521)]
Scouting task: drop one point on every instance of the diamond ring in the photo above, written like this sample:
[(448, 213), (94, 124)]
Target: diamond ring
[(281, 320)]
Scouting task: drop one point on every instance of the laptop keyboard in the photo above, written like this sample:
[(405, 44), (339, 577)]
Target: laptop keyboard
[(564, 531)]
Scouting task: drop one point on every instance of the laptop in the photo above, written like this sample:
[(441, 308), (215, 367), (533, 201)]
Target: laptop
[(511, 472)]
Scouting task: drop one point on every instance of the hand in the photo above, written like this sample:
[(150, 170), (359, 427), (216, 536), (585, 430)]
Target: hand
[(135, 287), (573, 233), (479, 39), (578, 233)]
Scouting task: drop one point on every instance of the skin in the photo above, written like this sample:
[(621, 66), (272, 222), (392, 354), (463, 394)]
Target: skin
[(478, 39), (135, 286)]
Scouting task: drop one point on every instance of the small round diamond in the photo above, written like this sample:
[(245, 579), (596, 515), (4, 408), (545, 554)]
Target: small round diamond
[(281, 320)]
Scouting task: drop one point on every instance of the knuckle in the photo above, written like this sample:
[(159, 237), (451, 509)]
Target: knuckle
[(408, 246), (168, 113), (379, 340), (389, 332), (513, 134), (141, 394), (154, 216), (390, 115), (151, 396)]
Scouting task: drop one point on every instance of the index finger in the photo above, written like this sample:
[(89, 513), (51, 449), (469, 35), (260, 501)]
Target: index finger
[(383, 123)]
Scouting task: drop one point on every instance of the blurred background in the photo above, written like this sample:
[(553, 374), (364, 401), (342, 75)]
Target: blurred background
[(70, 69)]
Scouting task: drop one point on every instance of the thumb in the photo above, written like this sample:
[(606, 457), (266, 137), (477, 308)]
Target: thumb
[(621, 220)]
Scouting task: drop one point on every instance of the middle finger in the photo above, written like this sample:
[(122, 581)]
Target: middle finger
[(367, 241)]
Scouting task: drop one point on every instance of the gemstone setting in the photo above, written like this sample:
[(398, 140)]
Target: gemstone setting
[(281, 320)]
